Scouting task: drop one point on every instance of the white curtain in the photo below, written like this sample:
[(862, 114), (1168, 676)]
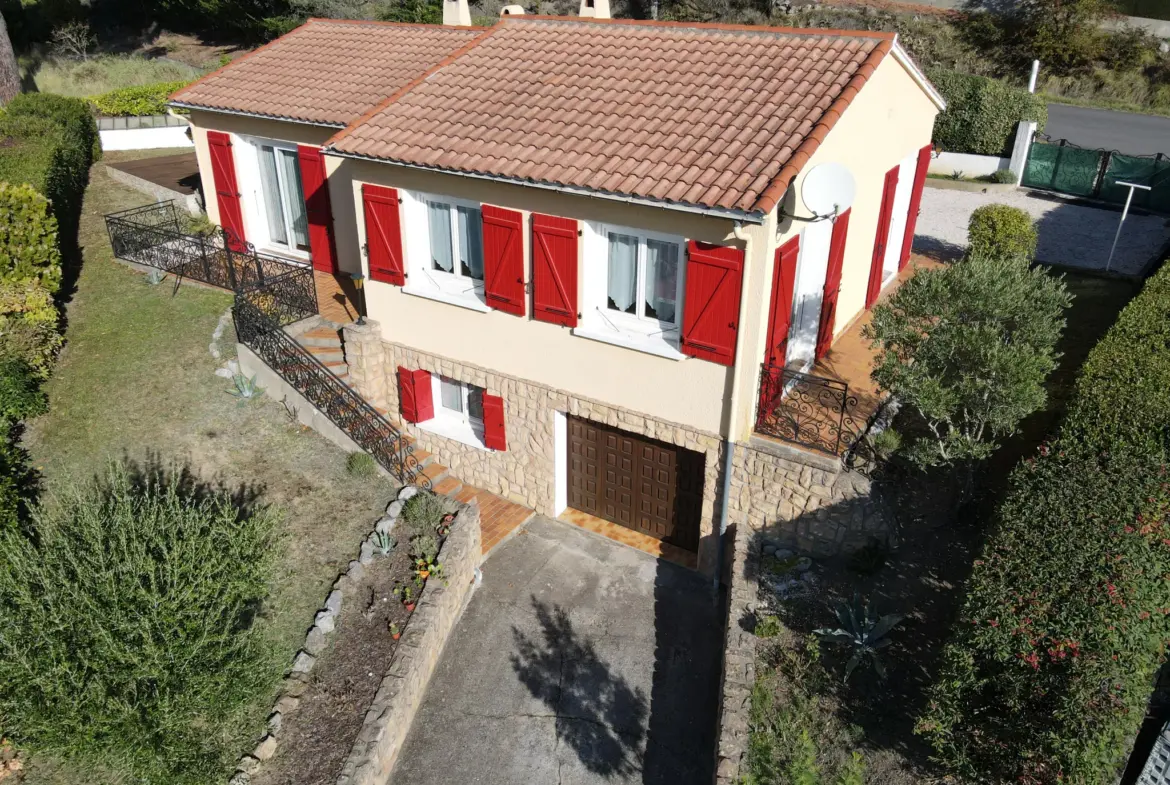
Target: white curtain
[(294, 194), (451, 393), (623, 272), (471, 242), (273, 205), (440, 223), (661, 279)]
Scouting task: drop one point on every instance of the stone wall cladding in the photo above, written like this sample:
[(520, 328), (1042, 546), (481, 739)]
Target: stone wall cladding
[(811, 503), (389, 718), (739, 660), (525, 472)]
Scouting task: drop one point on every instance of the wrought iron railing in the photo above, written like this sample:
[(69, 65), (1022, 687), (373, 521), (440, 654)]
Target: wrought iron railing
[(336, 400), (153, 235), (810, 411), (270, 293)]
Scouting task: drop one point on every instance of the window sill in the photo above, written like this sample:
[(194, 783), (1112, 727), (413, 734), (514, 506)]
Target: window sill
[(456, 430), (469, 301), (639, 343), (284, 253)]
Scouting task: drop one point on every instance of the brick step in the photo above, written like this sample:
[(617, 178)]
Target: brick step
[(448, 486), (338, 367), (432, 472), (324, 342), (327, 354)]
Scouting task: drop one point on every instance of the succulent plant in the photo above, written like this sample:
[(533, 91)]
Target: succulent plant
[(862, 631)]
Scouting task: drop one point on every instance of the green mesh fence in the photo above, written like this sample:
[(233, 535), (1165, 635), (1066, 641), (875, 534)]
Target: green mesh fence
[(1063, 168), (1154, 172)]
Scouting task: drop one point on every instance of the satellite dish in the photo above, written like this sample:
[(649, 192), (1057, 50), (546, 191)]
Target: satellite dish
[(828, 188)]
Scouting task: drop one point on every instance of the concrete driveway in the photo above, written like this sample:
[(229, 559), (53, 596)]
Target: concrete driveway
[(578, 661)]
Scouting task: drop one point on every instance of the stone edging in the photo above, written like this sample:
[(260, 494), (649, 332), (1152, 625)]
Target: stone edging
[(389, 718), (739, 661), (297, 681)]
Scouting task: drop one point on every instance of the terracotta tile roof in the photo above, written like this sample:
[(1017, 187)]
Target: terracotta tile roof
[(713, 116), (326, 71)]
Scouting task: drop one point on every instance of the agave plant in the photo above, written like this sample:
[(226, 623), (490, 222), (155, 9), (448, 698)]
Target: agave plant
[(385, 543), (863, 631), (245, 387)]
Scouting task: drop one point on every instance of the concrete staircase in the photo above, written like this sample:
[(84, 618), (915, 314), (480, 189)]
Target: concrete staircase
[(322, 339)]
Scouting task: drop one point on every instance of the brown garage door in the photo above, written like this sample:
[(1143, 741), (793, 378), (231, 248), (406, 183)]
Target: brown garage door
[(646, 485)]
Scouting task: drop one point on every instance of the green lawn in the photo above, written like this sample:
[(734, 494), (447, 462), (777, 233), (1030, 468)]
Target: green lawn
[(136, 380)]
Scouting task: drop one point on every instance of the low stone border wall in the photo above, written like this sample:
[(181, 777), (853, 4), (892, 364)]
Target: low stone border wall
[(739, 659), (389, 718), (459, 557)]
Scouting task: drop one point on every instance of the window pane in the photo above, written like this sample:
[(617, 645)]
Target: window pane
[(661, 280), (451, 394), (471, 242), (623, 272), (273, 207), (474, 402), (294, 196), (440, 221)]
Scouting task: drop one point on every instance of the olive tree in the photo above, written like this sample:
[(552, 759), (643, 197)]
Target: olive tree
[(967, 348)]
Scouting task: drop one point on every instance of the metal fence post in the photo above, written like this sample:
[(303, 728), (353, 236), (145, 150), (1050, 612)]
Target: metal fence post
[(1101, 170)]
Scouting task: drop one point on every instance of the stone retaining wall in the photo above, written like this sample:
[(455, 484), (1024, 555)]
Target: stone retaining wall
[(389, 717), (739, 660)]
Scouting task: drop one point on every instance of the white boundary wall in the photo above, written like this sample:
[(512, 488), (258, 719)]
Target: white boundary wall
[(146, 138)]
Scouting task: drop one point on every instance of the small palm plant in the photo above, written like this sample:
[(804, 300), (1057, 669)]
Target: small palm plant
[(863, 631)]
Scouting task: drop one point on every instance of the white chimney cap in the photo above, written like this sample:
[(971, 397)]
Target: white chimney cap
[(512, 10)]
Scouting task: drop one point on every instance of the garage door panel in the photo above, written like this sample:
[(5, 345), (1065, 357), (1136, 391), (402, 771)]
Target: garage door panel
[(643, 484)]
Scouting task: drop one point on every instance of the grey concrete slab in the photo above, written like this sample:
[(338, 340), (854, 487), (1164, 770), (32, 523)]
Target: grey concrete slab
[(578, 661)]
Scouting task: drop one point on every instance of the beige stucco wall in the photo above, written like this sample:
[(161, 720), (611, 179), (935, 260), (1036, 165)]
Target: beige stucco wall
[(278, 130), (889, 119), (689, 391)]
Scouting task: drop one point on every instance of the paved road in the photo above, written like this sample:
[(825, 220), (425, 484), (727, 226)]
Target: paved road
[(579, 662), (1126, 132)]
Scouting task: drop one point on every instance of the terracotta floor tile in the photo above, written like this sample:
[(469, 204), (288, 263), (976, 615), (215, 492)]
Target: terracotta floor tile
[(621, 534)]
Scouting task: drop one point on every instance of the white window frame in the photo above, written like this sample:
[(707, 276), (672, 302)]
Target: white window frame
[(422, 280), (460, 426), (247, 160), (601, 323)]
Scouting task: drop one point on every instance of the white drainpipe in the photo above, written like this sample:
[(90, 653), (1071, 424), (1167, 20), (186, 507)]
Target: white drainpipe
[(729, 438)]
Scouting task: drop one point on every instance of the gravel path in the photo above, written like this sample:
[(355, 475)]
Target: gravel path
[(1070, 234)]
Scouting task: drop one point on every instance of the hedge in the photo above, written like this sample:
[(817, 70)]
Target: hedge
[(1054, 657), (29, 250), (49, 143), (982, 113), (136, 101)]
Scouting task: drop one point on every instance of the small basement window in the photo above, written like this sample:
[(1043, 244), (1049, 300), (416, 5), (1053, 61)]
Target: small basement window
[(458, 410)]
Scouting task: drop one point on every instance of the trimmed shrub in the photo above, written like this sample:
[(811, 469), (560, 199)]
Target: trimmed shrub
[(982, 113), (134, 101), (28, 325), (1001, 229), (128, 611), (1054, 657), (361, 464), (20, 391), (71, 115), (29, 251)]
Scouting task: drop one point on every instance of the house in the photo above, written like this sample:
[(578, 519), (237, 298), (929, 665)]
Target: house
[(583, 241)]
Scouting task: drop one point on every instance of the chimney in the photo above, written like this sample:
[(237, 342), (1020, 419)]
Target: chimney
[(512, 10), (456, 12), (596, 9)]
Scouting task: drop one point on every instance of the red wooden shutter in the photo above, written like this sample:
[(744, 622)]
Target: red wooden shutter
[(915, 204), (383, 234), (320, 217), (493, 423), (414, 395), (832, 285), (227, 190), (883, 236), (711, 307), (503, 259), (554, 269), (780, 310)]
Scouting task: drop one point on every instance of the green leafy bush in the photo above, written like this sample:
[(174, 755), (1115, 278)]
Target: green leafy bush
[(29, 324), (361, 464), (1050, 668), (1001, 229), (134, 101), (128, 611), (20, 391), (1003, 177), (29, 250), (982, 113)]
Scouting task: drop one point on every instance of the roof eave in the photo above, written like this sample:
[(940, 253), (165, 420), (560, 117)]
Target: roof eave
[(728, 214), (259, 115), (917, 74)]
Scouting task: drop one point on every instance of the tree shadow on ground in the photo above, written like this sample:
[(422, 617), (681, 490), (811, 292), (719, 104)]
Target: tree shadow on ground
[(598, 713)]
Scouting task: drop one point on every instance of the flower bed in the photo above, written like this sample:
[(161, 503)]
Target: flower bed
[(338, 674)]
